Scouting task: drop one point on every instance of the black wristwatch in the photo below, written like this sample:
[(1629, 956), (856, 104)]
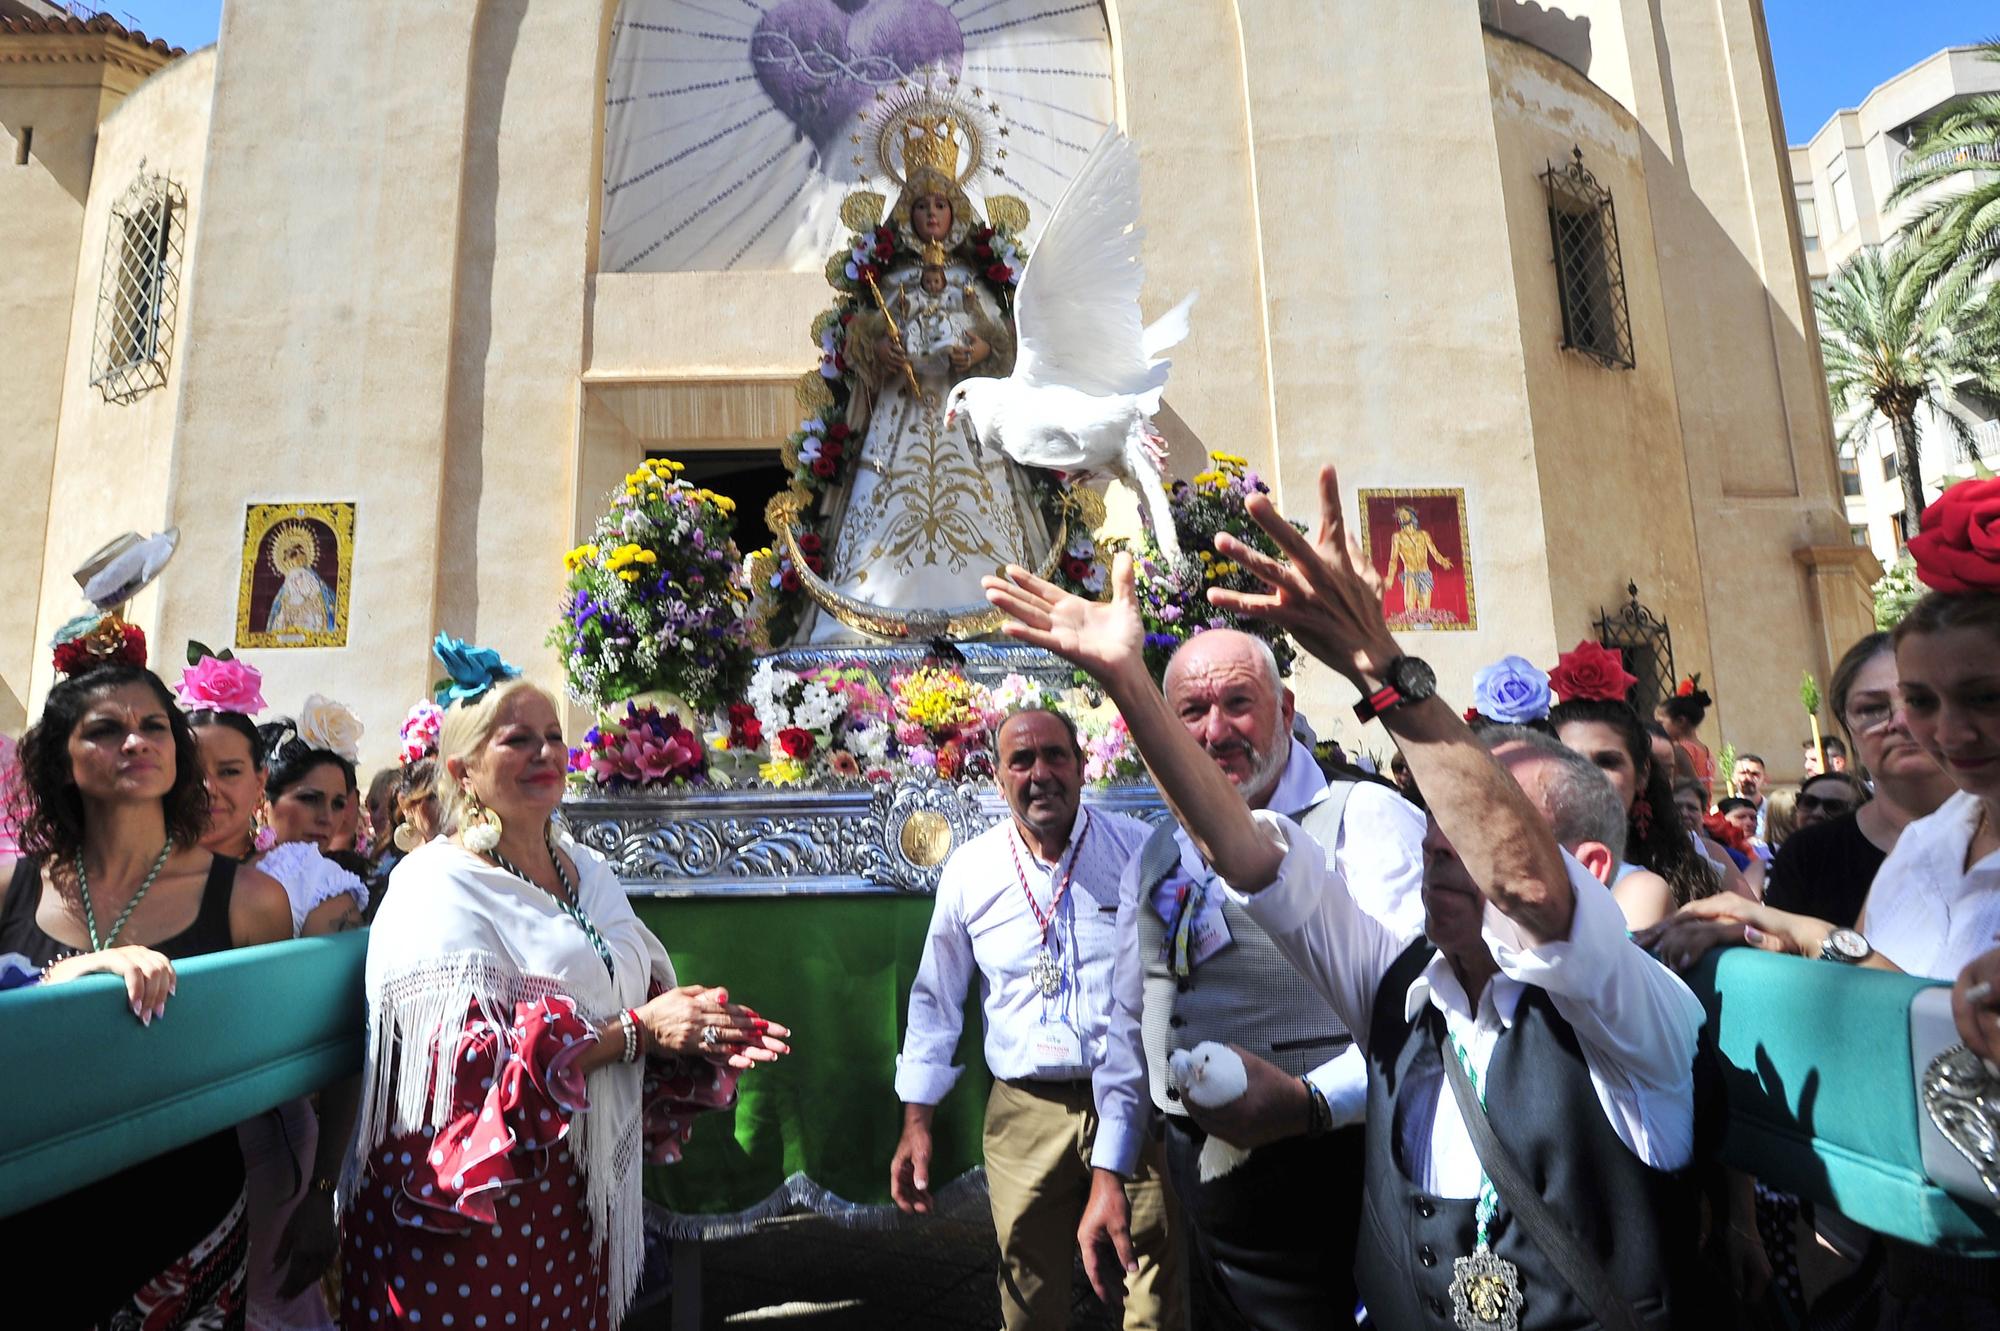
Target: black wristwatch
[(1408, 679)]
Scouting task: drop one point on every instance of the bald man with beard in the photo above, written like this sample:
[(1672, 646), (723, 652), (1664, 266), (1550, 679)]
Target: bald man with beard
[(1274, 1238)]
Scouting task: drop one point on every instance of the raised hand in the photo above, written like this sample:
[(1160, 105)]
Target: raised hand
[(1323, 592), (1104, 637), (1976, 1006)]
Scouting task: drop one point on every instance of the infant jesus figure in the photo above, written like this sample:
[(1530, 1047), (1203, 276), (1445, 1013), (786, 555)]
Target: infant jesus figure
[(938, 320)]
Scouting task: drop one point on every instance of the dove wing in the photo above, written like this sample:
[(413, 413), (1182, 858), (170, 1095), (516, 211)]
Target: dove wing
[(1076, 314)]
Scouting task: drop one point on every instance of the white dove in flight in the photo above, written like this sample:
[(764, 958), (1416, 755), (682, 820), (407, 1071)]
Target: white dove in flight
[(1087, 375)]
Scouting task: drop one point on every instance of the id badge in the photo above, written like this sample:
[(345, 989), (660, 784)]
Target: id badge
[(1209, 936), (1057, 1048)]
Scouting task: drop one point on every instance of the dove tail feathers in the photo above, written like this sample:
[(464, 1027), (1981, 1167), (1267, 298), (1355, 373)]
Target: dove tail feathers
[(1147, 477), (1169, 330)]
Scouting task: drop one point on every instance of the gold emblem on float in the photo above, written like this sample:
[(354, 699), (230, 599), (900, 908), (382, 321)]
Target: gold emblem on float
[(925, 838)]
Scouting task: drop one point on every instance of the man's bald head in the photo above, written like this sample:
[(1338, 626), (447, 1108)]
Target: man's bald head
[(1224, 686)]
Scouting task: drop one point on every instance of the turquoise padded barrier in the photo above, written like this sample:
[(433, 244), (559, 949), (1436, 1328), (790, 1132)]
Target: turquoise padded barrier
[(91, 1091), (1817, 1069)]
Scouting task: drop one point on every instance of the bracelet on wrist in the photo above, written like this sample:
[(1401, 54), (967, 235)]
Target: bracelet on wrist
[(629, 1021)]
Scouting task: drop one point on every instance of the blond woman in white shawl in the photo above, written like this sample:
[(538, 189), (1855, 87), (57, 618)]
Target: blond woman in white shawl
[(529, 1049)]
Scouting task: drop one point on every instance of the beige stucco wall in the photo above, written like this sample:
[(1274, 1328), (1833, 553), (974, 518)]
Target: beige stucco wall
[(324, 281), (58, 87), (430, 340), (112, 460)]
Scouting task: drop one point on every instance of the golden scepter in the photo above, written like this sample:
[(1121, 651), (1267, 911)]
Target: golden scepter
[(897, 333)]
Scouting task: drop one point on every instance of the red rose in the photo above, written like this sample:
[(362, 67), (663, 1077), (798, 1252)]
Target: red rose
[(1472, 716), (829, 449), (983, 251), (789, 580), (795, 743), (823, 467), (883, 253), (1000, 273), (1591, 673), (809, 542), (1957, 545), (817, 563), (884, 236), (837, 431), (745, 730)]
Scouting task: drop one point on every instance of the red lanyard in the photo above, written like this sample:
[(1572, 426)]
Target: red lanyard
[(1062, 889)]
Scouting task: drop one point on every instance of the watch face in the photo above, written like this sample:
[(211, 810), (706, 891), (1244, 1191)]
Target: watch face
[(1414, 679), (1850, 945)]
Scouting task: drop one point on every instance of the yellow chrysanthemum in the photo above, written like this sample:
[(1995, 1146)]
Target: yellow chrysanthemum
[(783, 771), (629, 576)]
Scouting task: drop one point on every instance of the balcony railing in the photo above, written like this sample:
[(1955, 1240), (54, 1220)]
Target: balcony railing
[(1986, 439), (1977, 152)]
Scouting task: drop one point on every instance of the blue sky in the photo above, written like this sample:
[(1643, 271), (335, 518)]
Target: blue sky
[(1828, 53)]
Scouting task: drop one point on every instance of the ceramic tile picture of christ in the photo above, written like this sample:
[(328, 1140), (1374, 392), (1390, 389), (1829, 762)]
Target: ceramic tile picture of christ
[(297, 563), (1417, 541)]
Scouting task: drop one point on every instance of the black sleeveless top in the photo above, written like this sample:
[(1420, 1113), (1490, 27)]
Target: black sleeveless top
[(141, 1220)]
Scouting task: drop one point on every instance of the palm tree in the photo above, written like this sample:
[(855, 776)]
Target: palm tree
[(1893, 343), (1957, 230)]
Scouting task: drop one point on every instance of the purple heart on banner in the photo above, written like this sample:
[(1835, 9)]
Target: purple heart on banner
[(821, 62)]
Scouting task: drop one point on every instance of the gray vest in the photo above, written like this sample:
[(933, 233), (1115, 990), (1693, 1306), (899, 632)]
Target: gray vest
[(1247, 993)]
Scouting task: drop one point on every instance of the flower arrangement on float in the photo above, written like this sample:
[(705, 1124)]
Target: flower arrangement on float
[(656, 600), (1173, 595)]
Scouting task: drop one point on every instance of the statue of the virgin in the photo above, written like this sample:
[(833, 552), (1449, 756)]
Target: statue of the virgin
[(923, 512)]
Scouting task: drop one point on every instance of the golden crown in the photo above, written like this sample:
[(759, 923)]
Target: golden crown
[(931, 143)]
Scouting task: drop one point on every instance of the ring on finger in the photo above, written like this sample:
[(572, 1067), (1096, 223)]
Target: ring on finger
[(710, 1037)]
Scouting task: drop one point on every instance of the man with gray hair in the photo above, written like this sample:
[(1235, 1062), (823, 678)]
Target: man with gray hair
[(1273, 1238), (1569, 790)]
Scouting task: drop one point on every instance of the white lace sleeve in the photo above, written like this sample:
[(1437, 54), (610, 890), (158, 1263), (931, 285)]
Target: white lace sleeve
[(310, 879)]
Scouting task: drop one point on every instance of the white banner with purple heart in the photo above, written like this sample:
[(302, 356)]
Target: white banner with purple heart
[(734, 128)]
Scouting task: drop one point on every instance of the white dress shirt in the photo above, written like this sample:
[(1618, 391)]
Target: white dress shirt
[(1926, 911), (982, 922), (1380, 849), (1634, 1019)]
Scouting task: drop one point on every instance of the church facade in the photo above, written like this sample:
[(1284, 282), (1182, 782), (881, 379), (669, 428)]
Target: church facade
[(377, 313)]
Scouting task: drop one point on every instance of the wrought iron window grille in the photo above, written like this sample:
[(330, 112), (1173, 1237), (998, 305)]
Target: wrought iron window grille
[(1590, 274), (138, 292), (1646, 646)]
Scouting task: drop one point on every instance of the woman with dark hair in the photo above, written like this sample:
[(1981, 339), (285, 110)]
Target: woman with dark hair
[(291, 1164), (1827, 867), (1681, 716), (1661, 872), (111, 812)]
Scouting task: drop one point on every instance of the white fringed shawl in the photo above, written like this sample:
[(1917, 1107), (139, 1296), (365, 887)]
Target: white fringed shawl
[(453, 929)]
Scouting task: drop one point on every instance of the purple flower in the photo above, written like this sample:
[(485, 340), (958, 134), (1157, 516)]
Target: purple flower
[(1512, 690)]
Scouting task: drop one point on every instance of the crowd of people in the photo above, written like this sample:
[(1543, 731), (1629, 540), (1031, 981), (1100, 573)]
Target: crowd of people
[(530, 1046), (1441, 1068), (1412, 1048)]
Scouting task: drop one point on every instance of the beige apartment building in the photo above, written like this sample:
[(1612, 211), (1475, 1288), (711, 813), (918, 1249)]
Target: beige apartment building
[(1843, 177), (1539, 257)]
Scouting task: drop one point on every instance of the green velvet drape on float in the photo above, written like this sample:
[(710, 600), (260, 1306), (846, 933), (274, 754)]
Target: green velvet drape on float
[(837, 970)]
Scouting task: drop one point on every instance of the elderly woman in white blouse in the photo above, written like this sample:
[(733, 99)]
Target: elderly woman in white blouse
[(530, 1049)]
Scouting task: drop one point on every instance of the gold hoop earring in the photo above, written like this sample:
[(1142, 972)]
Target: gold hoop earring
[(407, 838)]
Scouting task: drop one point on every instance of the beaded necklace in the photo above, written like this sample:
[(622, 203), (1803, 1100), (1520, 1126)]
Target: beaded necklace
[(566, 902), (90, 914)]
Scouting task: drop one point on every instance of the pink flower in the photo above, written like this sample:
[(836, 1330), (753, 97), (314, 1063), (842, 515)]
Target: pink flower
[(843, 763), (221, 686), (911, 735)]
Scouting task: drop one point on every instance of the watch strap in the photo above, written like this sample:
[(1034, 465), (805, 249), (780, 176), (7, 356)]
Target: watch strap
[(1378, 702)]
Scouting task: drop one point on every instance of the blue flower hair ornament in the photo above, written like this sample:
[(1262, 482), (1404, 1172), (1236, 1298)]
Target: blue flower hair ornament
[(1513, 691), (470, 671)]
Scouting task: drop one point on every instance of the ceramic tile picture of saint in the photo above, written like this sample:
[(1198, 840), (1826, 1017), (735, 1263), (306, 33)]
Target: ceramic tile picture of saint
[(297, 560), (1417, 541)]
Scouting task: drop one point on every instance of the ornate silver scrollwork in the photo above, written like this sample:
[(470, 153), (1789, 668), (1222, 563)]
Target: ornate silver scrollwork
[(759, 841), (1963, 1100)]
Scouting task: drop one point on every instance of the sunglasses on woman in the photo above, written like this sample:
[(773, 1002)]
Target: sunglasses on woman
[(1831, 806)]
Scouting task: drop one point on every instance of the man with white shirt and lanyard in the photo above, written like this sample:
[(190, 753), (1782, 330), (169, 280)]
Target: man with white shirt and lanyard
[(1030, 907), (1531, 1099), (1274, 1237)]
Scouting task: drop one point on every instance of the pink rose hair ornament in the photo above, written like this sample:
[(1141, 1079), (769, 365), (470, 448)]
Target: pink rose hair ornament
[(218, 682)]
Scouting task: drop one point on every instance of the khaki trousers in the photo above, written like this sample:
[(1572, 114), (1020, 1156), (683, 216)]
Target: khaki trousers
[(1038, 1139)]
